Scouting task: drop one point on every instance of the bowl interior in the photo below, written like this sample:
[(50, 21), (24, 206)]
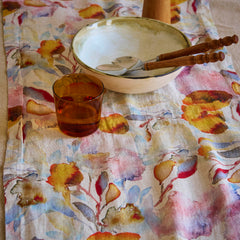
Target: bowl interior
[(103, 41)]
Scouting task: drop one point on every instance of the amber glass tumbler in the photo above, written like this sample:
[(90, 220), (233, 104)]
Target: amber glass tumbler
[(78, 102)]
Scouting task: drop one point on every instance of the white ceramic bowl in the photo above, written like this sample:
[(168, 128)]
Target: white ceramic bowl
[(103, 41)]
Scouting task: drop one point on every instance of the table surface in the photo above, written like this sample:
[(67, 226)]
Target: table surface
[(226, 15)]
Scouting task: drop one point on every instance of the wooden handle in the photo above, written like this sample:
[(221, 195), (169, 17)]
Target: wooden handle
[(185, 61), (200, 48)]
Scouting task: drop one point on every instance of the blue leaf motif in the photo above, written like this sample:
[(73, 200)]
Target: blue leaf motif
[(69, 159), (138, 117), (54, 234), (32, 176), (12, 214), (63, 69), (86, 211), (113, 7), (229, 74), (144, 193), (187, 168), (13, 72), (15, 214), (58, 205), (55, 156), (45, 35), (219, 175), (233, 153), (16, 224), (75, 145), (133, 194)]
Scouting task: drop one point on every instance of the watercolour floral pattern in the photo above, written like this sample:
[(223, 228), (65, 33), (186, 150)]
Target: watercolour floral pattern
[(162, 165)]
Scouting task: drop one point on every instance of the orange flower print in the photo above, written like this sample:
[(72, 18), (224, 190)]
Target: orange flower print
[(49, 48), (204, 150), (201, 109), (64, 175), (110, 236), (176, 10), (236, 87), (114, 123), (34, 3), (93, 11)]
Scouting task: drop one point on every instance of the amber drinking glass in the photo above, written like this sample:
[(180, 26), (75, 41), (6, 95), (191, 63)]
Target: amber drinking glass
[(78, 102)]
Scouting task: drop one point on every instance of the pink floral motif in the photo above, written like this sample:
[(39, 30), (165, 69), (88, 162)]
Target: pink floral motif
[(126, 165), (189, 81)]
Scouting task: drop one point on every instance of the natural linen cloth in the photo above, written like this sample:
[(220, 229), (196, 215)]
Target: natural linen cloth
[(163, 165)]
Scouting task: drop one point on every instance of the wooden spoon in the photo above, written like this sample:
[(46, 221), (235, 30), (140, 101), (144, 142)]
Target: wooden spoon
[(200, 48), (117, 70), (125, 64)]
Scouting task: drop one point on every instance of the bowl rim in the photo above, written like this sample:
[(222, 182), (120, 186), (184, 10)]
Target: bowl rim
[(125, 18)]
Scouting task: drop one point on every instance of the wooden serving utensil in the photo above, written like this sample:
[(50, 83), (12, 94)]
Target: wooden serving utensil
[(175, 62), (185, 61), (183, 57), (200, 48)]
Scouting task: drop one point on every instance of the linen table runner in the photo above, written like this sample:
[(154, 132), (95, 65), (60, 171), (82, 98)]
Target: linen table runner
[(163, 165)]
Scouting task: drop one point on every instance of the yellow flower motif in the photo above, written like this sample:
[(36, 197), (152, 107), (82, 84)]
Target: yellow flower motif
[(49, 48), (114, 123), (34, 3), (201, 109), (176, 10), (236, 87), (63, 175), (110, 236), (206, 98), (93, 11), (204, 150)]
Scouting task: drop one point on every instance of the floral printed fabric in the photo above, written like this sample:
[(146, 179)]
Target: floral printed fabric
[(163, 165)]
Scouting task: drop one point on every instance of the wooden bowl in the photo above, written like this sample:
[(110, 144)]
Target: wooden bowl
[(105, 40)]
